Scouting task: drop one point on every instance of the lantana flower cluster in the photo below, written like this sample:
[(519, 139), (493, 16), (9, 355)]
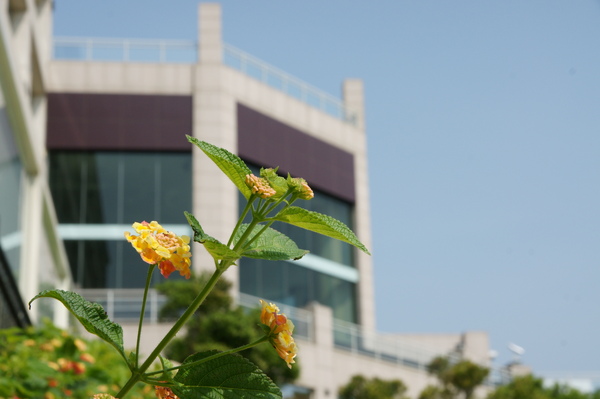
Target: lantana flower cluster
[(165, 248), (272, 186), (164, 393), (280, 332)]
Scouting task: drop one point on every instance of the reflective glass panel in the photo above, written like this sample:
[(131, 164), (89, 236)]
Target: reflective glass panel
[(120, 187), (108, 264), (117, 188), (297, 286)]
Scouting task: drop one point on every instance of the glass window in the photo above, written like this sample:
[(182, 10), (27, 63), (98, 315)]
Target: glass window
[(297, 286), (140, 187), (108, 264), (117, 188), (107, 181), (176, 187), (66, 172), (120, 187)]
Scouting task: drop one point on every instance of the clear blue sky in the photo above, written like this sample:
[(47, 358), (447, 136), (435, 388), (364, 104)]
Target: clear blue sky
[(483, 123)]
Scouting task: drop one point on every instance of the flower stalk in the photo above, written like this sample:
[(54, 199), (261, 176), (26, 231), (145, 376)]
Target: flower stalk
[(142, 314), (139, 373)]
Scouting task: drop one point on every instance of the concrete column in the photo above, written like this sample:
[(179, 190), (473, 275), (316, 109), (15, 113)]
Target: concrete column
[(322, 372), (61, 314), (215, 197), (210, 44), (31, 233), (353, 95), (476, 347)]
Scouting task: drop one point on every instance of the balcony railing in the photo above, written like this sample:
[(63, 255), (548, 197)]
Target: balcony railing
[(123, 305), (387, 348), (186, 51)]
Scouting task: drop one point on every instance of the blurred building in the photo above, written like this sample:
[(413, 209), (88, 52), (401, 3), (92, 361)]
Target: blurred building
[(117, 114), (32, 255)]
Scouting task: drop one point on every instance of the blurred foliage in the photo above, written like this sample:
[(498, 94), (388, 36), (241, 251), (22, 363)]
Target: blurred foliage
[(435, 392), (456, 379), (219, 325), (180, 294), (47, 362), (360, 387), (530, 387)]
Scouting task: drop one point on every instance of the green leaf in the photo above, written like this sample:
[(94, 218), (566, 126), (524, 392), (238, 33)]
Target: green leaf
[(216, 249), (166, 364), (277, 183), (229, 163), (91, 315), (131, 360), (321, 224), (270, 245), (226, 377)]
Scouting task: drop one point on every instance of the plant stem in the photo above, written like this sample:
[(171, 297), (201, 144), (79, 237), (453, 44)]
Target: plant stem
[(250, 241), (142, 314), (138, 373), (249, 229), (241, 219), (215, 356)]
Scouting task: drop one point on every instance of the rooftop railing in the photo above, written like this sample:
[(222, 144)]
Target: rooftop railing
[(289, 84), (124, 50), (186, 51)]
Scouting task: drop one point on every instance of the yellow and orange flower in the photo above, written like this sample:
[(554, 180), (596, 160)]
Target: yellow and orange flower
[(280, 332), (301, 188), (164, 393), (259, 186), (165, 248)]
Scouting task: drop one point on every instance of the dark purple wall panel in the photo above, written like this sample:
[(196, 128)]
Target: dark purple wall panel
[(270, 143), (118, 122)]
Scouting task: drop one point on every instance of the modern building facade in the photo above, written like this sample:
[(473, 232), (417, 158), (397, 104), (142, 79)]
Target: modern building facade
[(116, 140), (106, 147)]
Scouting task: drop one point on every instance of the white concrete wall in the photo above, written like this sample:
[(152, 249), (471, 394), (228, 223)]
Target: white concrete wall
[(120, 77)]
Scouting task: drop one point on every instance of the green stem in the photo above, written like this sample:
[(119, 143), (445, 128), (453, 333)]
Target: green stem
[(215, 356), (138, 373), (266, 226), (249, 229), (270, 220), (261, 208), (241, 219), (276, 204), (142, 314), (261, 215)]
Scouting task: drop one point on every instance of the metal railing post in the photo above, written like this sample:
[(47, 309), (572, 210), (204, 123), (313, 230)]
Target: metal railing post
[(88, 50), (153, 307), (110, 304)]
